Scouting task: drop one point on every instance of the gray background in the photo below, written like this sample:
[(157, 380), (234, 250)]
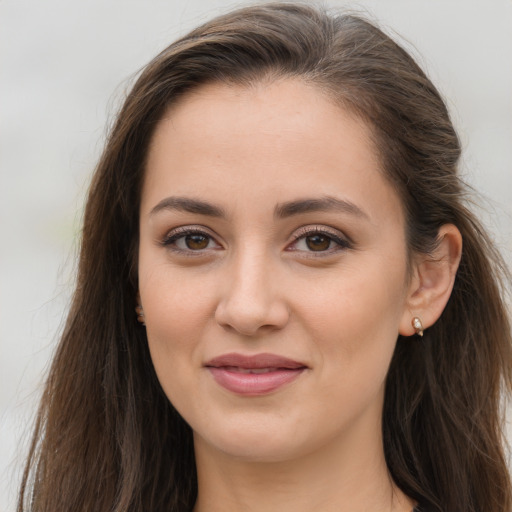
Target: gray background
[(64, 67)]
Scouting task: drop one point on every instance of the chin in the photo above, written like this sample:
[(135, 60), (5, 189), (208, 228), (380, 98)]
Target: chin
[(261, 452), (253, 442)]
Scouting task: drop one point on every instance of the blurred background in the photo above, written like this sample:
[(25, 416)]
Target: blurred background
[(65, 66)]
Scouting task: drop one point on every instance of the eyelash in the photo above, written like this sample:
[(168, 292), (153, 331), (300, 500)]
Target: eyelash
[(180, 233), (302, 234), (342, 243)]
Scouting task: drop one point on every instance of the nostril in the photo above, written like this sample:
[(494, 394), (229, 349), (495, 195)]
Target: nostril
[(249, 318)]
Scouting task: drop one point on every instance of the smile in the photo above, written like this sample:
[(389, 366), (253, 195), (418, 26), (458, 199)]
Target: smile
[(254, 375), (250, 370)]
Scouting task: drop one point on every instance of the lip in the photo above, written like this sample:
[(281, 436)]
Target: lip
[(254, 375)]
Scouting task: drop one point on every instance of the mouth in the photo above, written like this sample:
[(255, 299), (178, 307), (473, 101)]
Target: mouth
[(258, 371), (254, 375)]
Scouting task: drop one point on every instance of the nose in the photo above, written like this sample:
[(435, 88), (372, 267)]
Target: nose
[(252, 301)]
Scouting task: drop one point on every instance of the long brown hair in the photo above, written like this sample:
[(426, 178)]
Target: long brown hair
[(107, 438)]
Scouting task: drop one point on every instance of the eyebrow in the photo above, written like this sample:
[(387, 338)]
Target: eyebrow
[(322, 204), (281, 211), (188, 205)]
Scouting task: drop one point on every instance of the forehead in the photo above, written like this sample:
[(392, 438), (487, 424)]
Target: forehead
[(266, 143)]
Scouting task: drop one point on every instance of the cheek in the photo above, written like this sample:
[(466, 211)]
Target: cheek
[(355, 318), (175, 302), (356, 336), (176, 318)]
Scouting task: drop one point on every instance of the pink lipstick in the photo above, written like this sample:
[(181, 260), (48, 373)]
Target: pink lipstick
[(254, 375)]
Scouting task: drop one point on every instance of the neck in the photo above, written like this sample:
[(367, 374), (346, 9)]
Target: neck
[(344, 477)]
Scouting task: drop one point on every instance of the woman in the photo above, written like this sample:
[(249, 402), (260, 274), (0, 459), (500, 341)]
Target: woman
[(282, 301)]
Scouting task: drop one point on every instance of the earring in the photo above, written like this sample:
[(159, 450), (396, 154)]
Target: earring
[(418, 326), (140, 314)]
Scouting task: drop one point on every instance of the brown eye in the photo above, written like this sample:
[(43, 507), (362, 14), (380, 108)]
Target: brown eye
[(189, 240), (196, 242), (318, 242)]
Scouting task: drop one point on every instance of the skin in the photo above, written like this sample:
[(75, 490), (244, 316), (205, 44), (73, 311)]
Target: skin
[(251, 283)]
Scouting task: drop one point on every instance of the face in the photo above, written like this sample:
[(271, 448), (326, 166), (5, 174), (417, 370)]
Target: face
[(272, 270)]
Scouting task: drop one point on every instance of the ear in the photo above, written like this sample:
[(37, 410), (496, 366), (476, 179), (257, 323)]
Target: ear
[(432, 280)]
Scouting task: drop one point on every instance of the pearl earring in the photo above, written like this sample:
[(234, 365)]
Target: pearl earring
[(418, 326), (140, 314)]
